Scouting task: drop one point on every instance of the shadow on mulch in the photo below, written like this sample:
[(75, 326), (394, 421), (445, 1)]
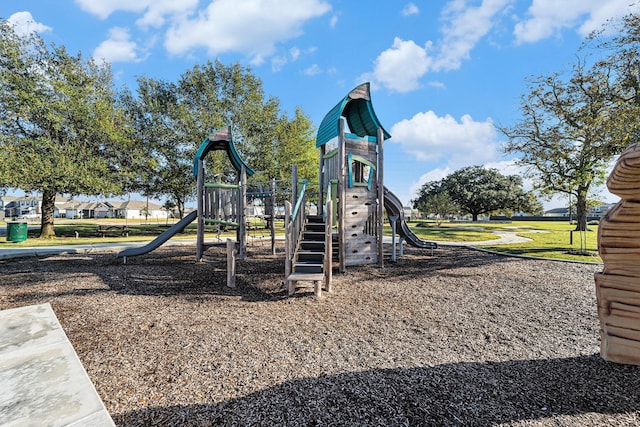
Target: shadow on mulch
[(449, 394), (173, 271)]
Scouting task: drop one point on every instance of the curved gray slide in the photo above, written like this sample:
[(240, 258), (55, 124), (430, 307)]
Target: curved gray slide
[(394, 207), (162, 238)]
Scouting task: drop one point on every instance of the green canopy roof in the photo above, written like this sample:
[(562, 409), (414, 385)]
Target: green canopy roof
[(220, 140), (357, 109)]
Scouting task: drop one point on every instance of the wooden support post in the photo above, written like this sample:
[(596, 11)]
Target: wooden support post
[(393, 220), (328, 241), (241, 218), (288, 253), (380, 172), (200, 195), (342, 177), (273, 216), (321, 189), (231, 263)]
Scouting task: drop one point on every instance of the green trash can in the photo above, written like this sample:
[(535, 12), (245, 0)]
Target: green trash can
[(16, 231)]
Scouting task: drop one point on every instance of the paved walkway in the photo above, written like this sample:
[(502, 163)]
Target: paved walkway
[(42, 381), (505, 238)]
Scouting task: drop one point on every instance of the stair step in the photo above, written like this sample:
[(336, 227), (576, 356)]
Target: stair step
[(310, 256), (315, 226), (315, 218), (313, 235), (306, 277), (309, 267), (312, 245)]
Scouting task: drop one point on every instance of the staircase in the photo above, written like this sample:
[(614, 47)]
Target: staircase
[(308, 264)]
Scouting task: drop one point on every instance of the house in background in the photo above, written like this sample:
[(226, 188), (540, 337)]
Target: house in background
[(594, 213), (25, 207), (31, 207), (6, 206), (135, 209)]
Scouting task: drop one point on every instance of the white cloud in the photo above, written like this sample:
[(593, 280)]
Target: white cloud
[(154, 12), (104, 8), (410, 9), (312, 70), (433, 175), (158, 10), (252, 27), (24, 24), (334, 21), (431, 138), (295, 53), (279, 61), (465, 26), (400, 67), (117, 48), (548, 17)]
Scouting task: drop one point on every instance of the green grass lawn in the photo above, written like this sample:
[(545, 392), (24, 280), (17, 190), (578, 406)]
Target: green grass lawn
[(548, 239), (447, 233), (139, 231)]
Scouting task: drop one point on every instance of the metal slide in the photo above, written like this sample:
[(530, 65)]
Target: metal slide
[(162, 238), (393, 205)]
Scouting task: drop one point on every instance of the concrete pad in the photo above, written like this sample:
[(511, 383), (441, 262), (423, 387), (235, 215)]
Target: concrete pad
[(42, 381)]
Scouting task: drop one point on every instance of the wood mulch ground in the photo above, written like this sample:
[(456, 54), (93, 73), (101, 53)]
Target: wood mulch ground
[(458, 338)]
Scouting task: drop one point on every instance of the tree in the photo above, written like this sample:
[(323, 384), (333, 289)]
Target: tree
[(433, 200), (62, 129), (476, 191), (295, 145), (622, 58), (573, 126), (268, 140), (166, 168), (172, 119)]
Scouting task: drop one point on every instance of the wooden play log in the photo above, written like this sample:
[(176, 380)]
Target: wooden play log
[(618, 286)]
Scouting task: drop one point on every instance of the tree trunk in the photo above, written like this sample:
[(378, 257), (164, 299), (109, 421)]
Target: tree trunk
[(581, 210), (474, 217), (180, 206), (48, 209)]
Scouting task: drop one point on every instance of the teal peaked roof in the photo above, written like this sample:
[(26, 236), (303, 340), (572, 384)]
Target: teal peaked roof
[(220, 140), (357, 109)]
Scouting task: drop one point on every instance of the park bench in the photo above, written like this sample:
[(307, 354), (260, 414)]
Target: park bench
[(113, 229)]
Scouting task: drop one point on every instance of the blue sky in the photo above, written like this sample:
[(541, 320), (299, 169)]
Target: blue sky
[(443, 73)]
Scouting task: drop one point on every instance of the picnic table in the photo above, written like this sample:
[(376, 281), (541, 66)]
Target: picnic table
[(113, 229)]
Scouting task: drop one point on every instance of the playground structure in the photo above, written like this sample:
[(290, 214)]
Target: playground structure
[(351, 195), (618, 285), (220, 204), (351, 201)]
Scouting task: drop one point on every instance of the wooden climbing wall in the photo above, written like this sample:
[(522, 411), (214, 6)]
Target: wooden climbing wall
[(361, 242), (361, 208), (618, 286)]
